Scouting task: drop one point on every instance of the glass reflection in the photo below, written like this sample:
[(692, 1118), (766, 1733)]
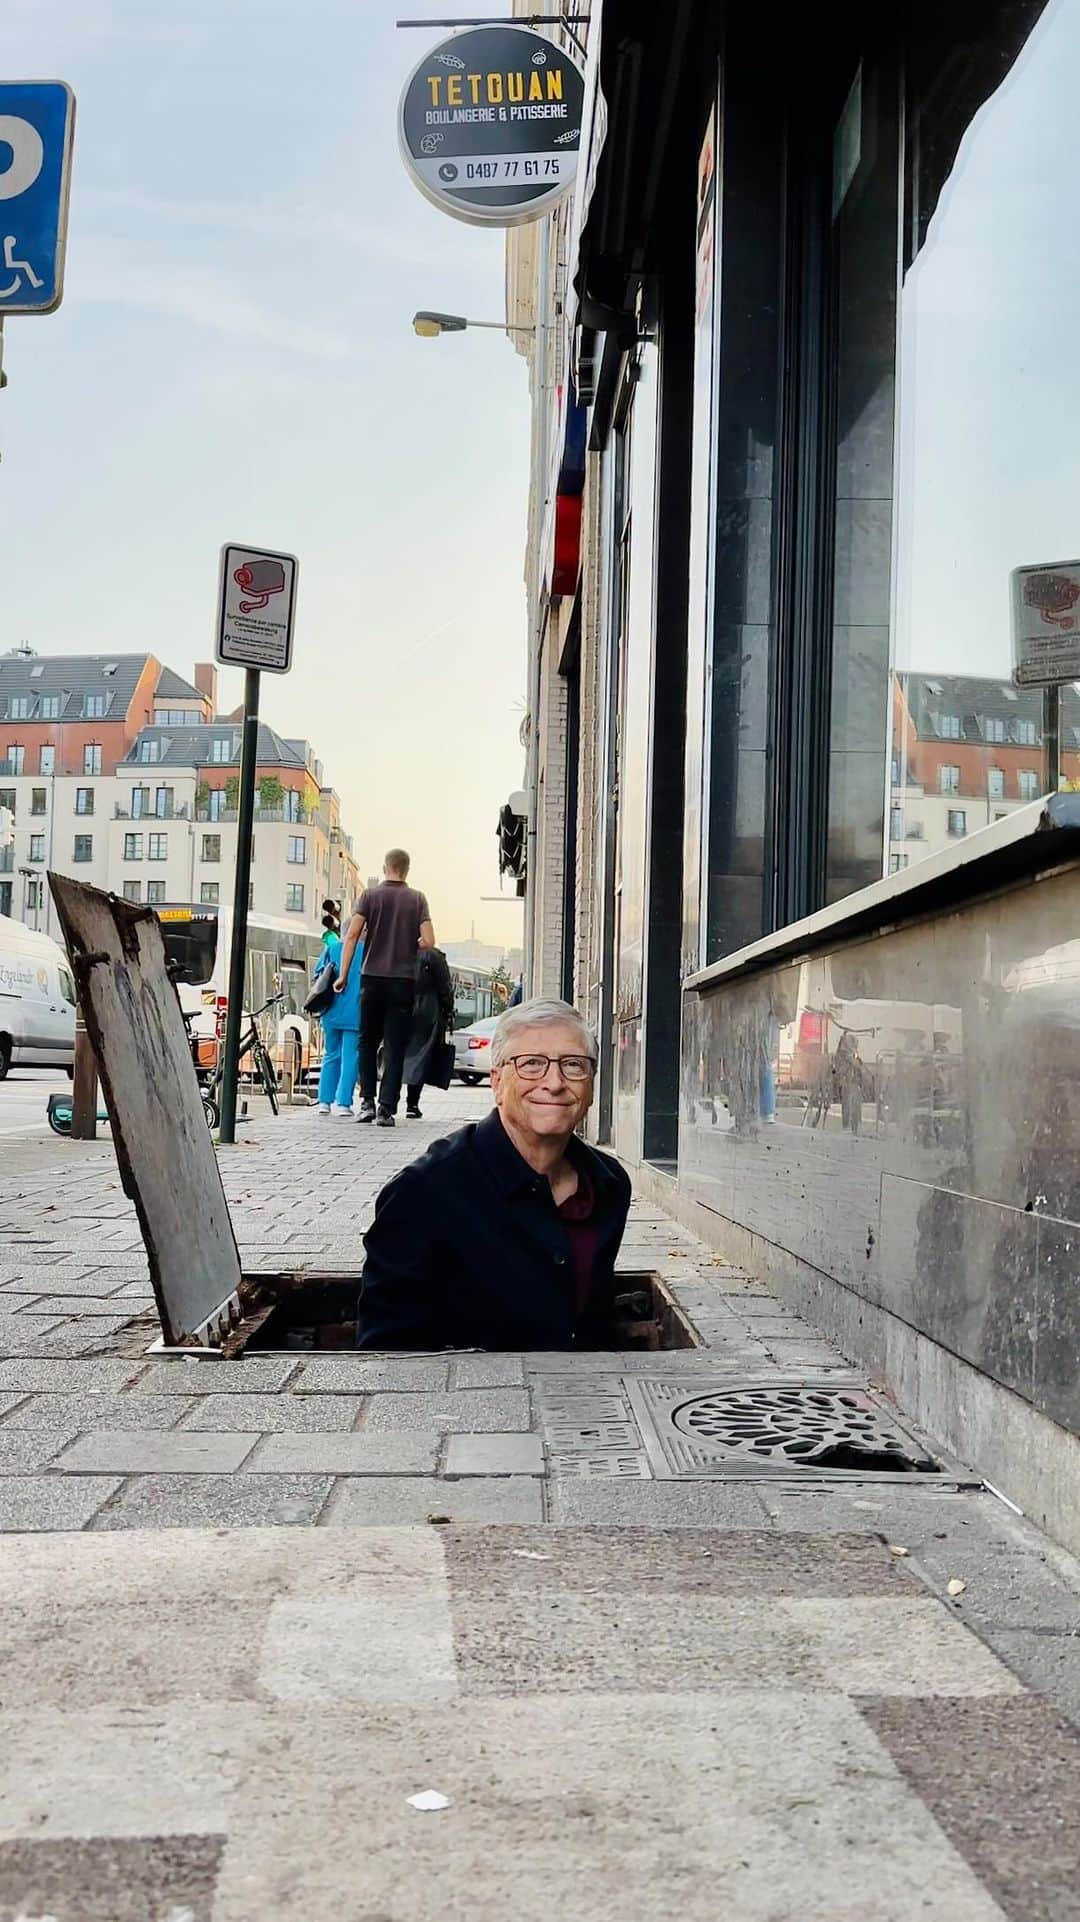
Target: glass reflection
[(989, 375)]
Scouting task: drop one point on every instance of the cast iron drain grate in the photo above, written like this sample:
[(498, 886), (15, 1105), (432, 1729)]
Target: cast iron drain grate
[(824, 1430)]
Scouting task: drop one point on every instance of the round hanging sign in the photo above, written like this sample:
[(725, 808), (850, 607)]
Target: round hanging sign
[(490, 125)]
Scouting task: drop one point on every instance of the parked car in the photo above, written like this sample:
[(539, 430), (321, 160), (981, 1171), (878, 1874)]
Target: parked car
[(37, 1000), (472, 1051)]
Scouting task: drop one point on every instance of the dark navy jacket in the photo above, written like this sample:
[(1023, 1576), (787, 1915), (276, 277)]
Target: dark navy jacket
[(467, 1250)]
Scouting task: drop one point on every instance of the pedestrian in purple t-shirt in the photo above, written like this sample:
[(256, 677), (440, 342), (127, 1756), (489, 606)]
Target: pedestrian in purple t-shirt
[(394, 921)]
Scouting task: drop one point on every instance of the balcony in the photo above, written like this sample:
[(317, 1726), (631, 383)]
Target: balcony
[(301, 818), (181, 813)]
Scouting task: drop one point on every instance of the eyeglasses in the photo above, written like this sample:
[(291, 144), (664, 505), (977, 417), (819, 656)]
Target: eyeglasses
[(533, 1067)]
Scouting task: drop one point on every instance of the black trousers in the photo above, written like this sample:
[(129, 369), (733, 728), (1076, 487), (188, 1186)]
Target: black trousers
[(386, 1009)]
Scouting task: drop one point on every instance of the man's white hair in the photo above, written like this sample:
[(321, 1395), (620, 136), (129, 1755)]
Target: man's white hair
[(539, 1014)]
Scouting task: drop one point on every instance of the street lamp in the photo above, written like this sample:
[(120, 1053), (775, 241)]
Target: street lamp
[(430, 326)]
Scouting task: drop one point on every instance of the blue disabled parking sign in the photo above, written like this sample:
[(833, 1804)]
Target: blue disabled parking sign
[(37, 120)]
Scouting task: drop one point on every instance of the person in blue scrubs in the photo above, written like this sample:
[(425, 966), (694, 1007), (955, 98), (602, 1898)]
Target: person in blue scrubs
[(341, 1032)]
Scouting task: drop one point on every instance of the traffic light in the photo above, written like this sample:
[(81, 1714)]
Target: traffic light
[(512, 846), (332, 916)]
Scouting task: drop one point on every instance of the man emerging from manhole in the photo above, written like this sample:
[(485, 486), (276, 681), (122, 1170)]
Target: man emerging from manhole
[(505, 1235)]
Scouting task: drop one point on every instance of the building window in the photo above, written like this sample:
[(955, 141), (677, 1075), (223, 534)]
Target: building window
[(133, 847), (949, 780), (158, 847), (897, 863), (957, 821), (251, 894), (132, 890), (221, 749), (292, 804), (94, 707), (210, 894), (896, 824), (49, 710), (35, 894), (20, 707), (993, 729), (949, 727), (1027, 734), (294, 898), (140, 802), (1028, 784), (47, 760), (995, 783), (217, 804), (297, 855), (211, 847), (84, 847), (5, 897), (163, 803), (84, 800), (16, 757), (91, 760), (37, 847), (38, 797), (149, 751), (155, 893), (7, 798)]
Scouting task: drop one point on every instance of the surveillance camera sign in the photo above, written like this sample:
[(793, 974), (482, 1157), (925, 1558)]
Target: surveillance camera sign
[(490, 125), (256, 605), (1046, 624)]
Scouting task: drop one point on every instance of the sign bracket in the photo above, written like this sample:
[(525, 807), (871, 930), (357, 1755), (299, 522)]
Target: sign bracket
[(568, 21)]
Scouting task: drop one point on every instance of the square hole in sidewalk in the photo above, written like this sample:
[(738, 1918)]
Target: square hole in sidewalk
[(313, 1312)]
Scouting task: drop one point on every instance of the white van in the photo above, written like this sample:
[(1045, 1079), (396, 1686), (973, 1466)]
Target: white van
[(37, 1000)]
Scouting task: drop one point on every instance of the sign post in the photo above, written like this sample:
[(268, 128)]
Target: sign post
[(256, 610), (1046, 644)]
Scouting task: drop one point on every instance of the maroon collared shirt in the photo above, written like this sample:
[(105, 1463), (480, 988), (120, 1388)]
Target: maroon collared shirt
[(576, 1214)]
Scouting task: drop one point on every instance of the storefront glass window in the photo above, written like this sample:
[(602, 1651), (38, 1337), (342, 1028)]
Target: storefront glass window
[(989, 390)]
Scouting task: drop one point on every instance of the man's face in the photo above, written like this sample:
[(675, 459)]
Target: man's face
[(552, 1106)]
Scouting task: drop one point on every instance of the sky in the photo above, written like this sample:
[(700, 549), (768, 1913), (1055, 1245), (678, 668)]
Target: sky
[(234, 361)]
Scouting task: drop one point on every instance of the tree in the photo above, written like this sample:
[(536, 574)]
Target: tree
[(232, 791), (271, 792)]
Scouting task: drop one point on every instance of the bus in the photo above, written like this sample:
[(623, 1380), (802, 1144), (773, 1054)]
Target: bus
[(477, 994), (280, 958)]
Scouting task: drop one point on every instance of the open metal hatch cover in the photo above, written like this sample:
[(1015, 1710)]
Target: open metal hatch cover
[(167, 1162)]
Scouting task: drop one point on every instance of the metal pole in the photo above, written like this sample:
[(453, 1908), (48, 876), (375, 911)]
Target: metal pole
[(1052, 736), (244, 825)]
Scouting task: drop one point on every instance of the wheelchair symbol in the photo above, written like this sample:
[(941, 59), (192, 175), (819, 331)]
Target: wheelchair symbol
[(18, 268)]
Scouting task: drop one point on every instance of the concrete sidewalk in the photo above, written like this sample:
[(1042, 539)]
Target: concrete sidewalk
[(306, 1588)]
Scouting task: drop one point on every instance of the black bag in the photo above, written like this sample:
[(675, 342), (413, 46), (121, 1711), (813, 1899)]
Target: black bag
[(322, 989), (441, 1069)]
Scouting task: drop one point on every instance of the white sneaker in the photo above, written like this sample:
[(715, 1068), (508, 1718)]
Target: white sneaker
[(322, 1107), (337, 1109)]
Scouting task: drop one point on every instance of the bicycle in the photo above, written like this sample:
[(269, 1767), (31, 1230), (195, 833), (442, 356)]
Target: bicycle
[(252, 1043)]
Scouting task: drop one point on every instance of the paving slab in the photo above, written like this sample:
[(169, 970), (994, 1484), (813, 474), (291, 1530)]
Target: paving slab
[(612, 1503), (213, 1501), (68, 1377), (95, 1411), (118, 1880), (23, 1451), (267, 1414), (414, 1453), (152, 1452), (210, 1375), (52, 1501), (494, 1455), (357, 1374), (489, 1371), (372, 1500), (477, 1411)]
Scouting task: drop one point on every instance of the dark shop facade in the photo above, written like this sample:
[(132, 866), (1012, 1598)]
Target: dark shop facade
[(821, 300)]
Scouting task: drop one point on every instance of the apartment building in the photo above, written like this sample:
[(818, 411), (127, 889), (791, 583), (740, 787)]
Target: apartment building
[(149, 811)]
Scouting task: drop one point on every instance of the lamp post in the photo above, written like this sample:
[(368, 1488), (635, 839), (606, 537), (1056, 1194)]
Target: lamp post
[(430, 325)]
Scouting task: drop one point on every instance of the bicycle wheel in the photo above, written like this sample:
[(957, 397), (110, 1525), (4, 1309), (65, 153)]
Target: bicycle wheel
[(210, 1110), (269, 1078)]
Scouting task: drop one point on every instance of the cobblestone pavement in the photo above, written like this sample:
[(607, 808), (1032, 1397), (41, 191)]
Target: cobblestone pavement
[(248, 1609)]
